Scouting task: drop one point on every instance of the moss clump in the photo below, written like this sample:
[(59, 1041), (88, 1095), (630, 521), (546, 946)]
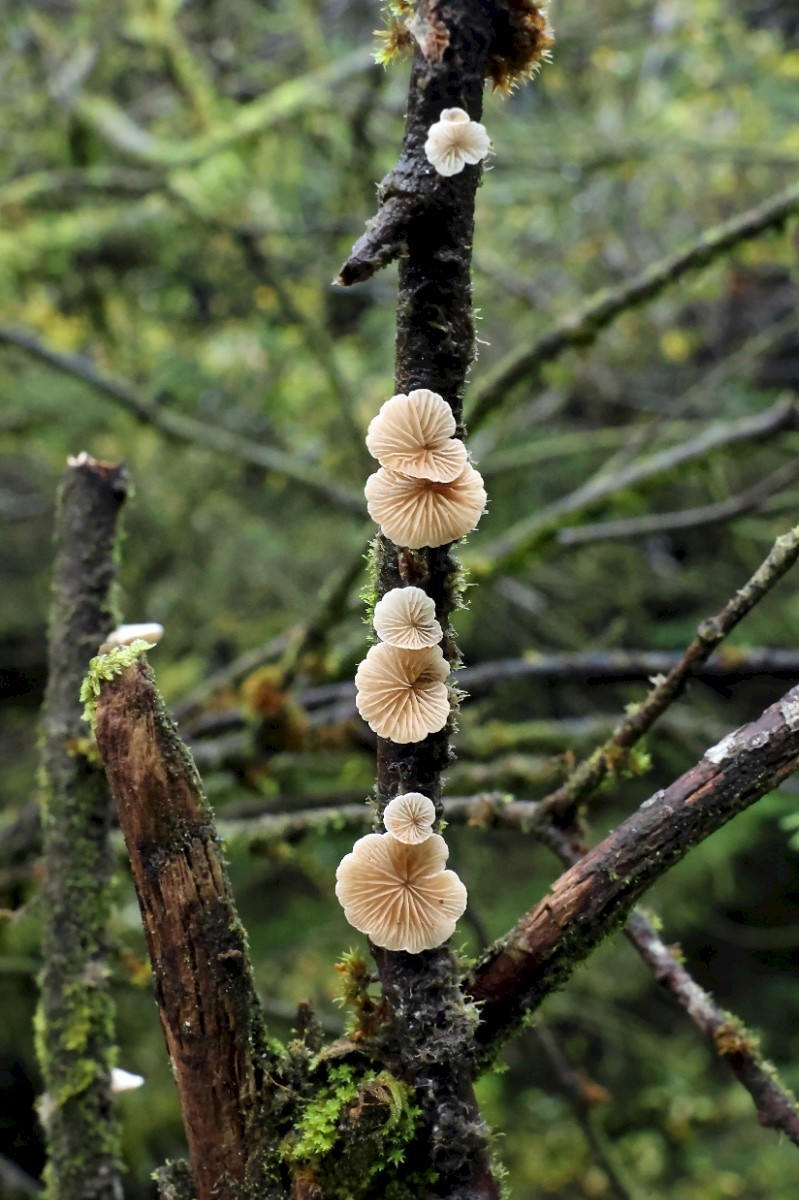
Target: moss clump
[(104, 668), (353, 1135)]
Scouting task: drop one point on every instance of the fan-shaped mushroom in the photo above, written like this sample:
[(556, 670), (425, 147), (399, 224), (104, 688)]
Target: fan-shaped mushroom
[(401, 694)]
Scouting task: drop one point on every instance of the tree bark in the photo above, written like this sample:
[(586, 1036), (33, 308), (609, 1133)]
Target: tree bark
[(75, 1025)]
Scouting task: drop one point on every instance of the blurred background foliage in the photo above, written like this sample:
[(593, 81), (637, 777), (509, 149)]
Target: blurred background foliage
[(181, 182)]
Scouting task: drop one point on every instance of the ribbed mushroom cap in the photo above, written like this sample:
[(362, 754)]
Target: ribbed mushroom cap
[(455, 140), (401, 694), (414, 434), (406, 617), (399, 895), (410, 818), (418, 512)]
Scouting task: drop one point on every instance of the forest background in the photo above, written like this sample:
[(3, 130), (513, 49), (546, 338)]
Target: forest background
[(180, 186)]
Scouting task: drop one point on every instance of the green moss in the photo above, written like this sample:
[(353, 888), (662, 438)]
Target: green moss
[(104, 668), (354, 1135)]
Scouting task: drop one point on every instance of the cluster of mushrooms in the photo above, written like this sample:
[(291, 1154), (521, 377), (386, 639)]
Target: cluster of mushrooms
[(394, 886)]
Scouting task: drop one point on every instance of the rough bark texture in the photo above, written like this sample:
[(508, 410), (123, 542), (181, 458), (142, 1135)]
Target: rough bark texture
[(588, 901), (209, 1010), (75, 1024), (430, 220)]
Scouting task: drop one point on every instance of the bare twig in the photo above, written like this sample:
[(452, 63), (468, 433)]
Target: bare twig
[(174, 424), (76, 1015), (599, 891), (690, 518), (591, 771), (580, 327), (525, 534), (776, 1108)]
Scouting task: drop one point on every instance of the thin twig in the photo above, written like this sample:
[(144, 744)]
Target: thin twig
[(587, 776), (580, 327), (690, 518), (519, 539), (186, 429), (776, 1108), (580, 1094)]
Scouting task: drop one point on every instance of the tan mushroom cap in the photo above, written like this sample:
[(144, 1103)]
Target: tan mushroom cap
[(406, 617), (455, 140), (400, 895), (401, 694), (410, 818), (418, 512), (414, 434)]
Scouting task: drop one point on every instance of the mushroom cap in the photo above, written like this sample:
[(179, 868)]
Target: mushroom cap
[(125, 635), (455, 140), (401, 694), (410, 818), (399, 894), (406, 617), (418, 512), (414, 434)]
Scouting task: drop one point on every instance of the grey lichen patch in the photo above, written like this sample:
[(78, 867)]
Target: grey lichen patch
[(789, 707), (723, 749), (104, 668)]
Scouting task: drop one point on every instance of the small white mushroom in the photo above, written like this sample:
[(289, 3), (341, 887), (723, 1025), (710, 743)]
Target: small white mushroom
[(399, 895), (418, 512), (124, 1081), (414, 434), (401, 694), (455, 140), (410, 818), (125, 635), (406, 617)]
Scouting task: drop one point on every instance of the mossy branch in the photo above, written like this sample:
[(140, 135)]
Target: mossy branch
[(210, 1013), (75, 1021)]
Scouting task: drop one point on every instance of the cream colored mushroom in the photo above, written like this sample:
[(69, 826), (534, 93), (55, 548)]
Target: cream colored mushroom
[(418, 512), (401, 694), (455, 140), (414, 434), (410, 818), (406, 617), (399, 895), (125, 635)]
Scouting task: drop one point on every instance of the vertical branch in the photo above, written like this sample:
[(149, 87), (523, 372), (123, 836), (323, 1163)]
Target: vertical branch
[(75, 1032), (210, 1012)]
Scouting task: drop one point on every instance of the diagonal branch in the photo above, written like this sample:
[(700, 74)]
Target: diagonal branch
[(776, 1109), (174, 424), (580, 327), (587, 776), (595, 895)]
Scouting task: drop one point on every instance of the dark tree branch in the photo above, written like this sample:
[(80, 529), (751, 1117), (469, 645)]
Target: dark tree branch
[(591, 771), (580, 327), (209, 1009), (76, 1016), (595, 895)]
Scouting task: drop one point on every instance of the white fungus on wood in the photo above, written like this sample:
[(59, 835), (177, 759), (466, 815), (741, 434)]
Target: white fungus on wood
[(455, 140), (420, 512), (410, 818)]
